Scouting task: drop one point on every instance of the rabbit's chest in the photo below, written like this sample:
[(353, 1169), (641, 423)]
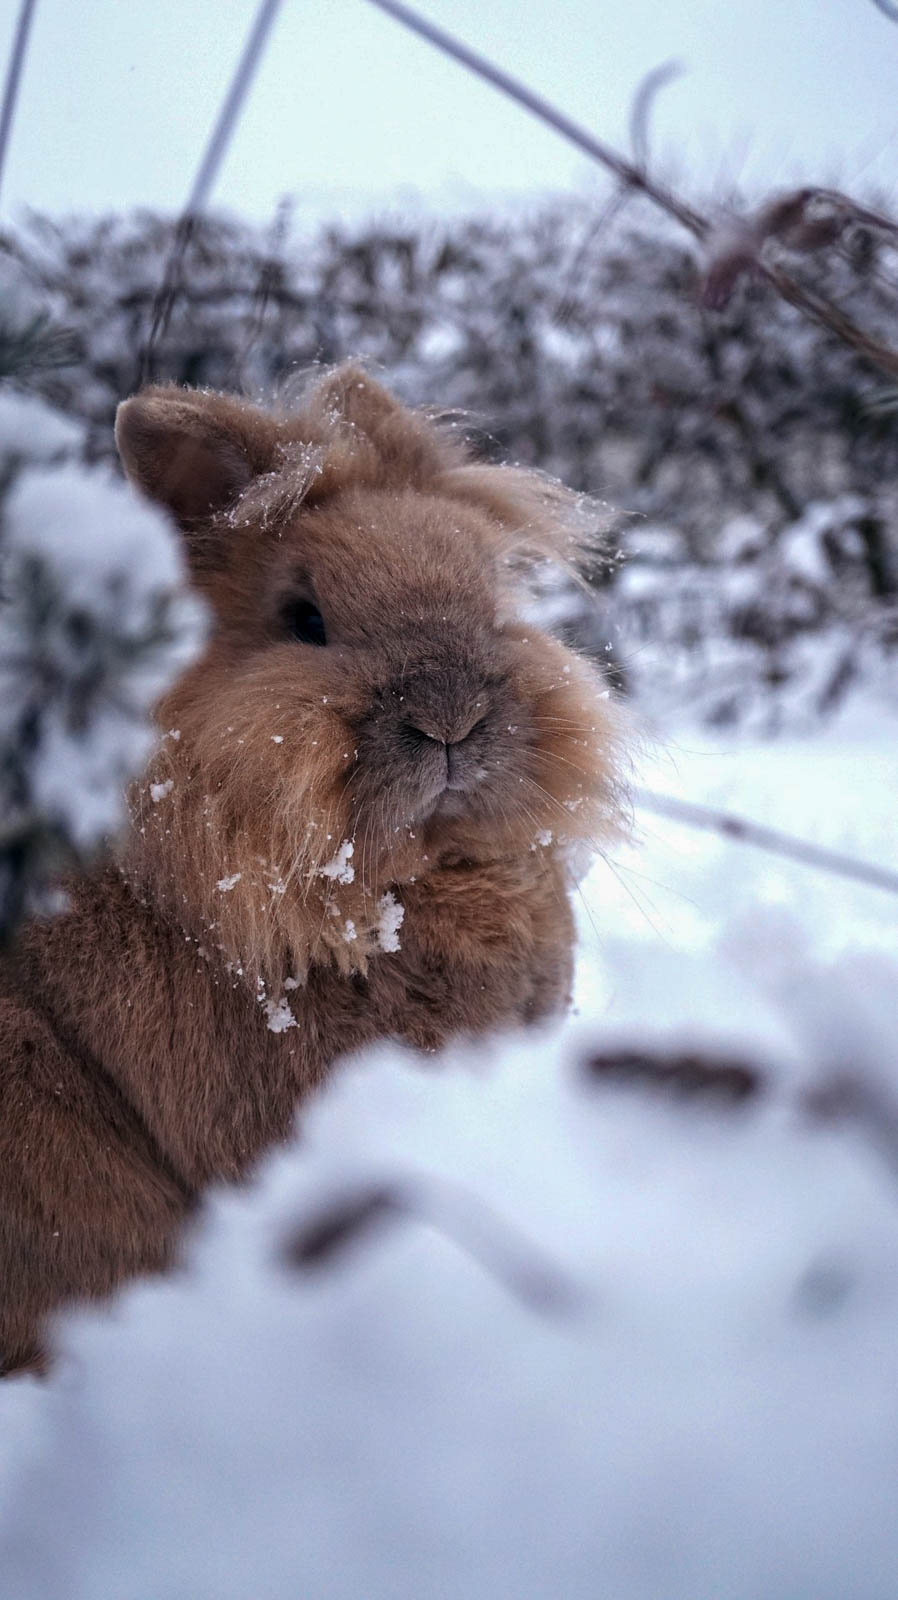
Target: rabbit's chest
[(481, 948)]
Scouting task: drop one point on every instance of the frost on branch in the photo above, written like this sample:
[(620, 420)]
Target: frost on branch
[(95, 621)]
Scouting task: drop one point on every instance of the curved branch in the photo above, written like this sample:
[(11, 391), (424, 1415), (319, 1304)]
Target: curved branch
[(643, 105)]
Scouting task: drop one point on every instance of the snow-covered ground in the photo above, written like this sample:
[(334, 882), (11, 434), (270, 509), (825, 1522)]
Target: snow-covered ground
[(677, 897), (555, 1336)]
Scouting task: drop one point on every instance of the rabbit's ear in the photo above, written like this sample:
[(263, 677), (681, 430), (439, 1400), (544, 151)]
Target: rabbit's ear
[(193, 452), (387, 441), (352, 394)]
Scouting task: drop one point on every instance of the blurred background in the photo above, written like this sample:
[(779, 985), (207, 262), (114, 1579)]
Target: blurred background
[(376, 199), (380, 200)]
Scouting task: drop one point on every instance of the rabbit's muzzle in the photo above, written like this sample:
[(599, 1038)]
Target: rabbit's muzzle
[(447, 726)]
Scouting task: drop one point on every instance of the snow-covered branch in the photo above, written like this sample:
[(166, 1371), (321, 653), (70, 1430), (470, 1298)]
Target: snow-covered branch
[(95, 622)]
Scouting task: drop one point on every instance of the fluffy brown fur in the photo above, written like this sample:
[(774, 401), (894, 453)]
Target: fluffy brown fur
[(433, 759)]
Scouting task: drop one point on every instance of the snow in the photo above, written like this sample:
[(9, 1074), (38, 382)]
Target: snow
[(570, 1337), (97, 622), (94, 529), (389, 921), (340, 868), (32, 431), (278, 1015), (160, 791), (224, 885)]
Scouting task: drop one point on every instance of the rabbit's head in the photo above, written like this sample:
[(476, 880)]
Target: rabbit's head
[(371, 702)]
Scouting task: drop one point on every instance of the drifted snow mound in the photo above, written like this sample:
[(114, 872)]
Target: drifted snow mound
[(498, 1329)]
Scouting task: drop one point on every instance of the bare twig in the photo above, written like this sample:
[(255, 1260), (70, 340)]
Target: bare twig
[(743, 831), (626, 171), (888, 8), (13, 77), (821, 310), (643, 102), (740, 251), (220, 138)]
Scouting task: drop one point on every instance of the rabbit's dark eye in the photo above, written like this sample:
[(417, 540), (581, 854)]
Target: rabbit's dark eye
[(305, 622)]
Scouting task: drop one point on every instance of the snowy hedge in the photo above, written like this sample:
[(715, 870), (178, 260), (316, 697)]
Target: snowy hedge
[(726, 440)]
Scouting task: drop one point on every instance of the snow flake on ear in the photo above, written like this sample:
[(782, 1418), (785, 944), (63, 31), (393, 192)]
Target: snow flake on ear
[(159, 791), (225, 884)]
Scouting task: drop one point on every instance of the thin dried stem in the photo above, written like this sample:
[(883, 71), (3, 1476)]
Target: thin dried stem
[(744, 831), (14, 76), (220, 138), (628, 172), (643, 103)]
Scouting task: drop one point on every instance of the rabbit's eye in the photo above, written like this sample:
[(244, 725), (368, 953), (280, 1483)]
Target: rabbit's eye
[(305, 622)]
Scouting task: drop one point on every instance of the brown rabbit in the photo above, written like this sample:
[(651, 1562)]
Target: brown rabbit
[(356, 824)]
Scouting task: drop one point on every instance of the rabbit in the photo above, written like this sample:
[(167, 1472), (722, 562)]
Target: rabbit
[(357, 823)]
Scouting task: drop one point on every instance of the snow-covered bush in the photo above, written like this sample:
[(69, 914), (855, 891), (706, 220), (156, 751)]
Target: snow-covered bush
[(95, 621), (771, 634)]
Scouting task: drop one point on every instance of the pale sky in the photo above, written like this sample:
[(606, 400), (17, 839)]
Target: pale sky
[(348, 112)]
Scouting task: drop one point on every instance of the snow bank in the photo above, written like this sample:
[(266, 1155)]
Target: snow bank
[(493, 1328)]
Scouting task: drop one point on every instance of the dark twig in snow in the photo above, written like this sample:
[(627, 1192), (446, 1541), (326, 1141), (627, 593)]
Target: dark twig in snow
[(226, 122), (13, 77), (852, 1097), (474, 1227), (684, 1074), (733, 250), (743, 831), (888, 8)]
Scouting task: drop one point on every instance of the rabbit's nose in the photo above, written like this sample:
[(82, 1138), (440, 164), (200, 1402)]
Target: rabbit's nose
[(446, 738), (421, 736)]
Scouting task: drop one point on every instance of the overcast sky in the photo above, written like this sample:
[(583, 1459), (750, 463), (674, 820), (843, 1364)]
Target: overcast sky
[(350, 112)]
